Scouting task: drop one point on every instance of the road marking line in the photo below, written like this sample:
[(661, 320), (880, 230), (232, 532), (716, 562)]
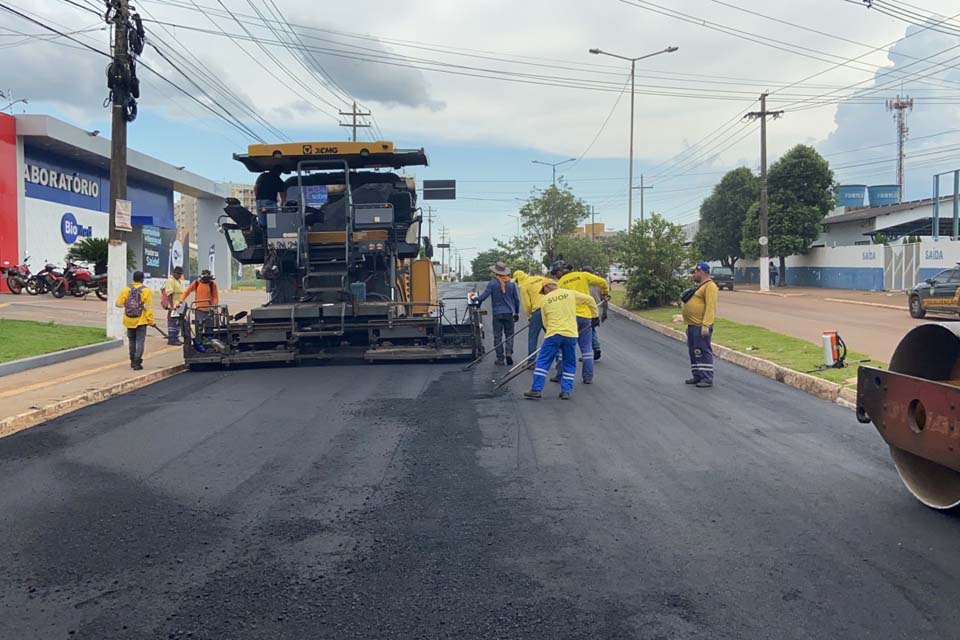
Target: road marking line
[(4, 304), (75, 376)]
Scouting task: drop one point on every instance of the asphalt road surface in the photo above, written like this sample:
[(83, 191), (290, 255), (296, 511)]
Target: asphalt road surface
[(409, 501)]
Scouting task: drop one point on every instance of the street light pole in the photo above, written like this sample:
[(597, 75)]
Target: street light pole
[(554, 165), (633, 68)]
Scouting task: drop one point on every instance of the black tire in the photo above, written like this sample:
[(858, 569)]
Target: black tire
[(14, 285), (59, 290), (916, 308), (102, 291), (33, 286), (730, 287)]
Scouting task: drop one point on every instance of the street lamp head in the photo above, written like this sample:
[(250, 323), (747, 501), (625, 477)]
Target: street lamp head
[(595, 51), (672, 49)]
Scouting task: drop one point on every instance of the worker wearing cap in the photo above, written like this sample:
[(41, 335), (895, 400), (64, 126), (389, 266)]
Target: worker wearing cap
[(699, 313), (581, 281), (207, 295), (559, 310), (530, 299)]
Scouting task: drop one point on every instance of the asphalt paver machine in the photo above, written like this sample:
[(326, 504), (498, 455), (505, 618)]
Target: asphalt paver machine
[(915, 406), (348, 273)]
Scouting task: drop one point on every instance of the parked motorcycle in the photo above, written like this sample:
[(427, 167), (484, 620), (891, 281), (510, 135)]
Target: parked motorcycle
[(51, 279), (79, 282), (17, 275)]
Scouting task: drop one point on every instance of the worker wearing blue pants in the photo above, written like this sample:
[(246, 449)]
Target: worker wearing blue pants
[(701, 354), (559, 310), (699, 314), (567, 348)]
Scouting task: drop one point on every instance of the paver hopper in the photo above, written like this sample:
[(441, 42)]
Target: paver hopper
[(915, 407)]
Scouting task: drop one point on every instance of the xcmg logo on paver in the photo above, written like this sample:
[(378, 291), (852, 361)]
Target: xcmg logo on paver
[(70, 229)]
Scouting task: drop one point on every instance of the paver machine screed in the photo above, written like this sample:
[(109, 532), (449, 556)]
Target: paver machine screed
[(342, 261)]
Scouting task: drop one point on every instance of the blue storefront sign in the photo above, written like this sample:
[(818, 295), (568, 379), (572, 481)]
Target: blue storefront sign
[(70, 229), (54, 178)]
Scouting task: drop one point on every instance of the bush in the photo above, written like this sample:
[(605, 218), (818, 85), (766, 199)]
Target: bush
[(94, 251), (656, 262)]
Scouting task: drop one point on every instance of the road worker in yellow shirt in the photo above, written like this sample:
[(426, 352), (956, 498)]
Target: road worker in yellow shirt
[(559, 310)]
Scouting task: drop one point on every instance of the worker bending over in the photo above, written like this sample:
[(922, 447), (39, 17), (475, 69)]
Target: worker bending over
[(580, 281), (559, 311), (530, 299)]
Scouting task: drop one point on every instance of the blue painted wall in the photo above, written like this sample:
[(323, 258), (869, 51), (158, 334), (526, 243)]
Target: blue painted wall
[(862, 278), (151, 205)]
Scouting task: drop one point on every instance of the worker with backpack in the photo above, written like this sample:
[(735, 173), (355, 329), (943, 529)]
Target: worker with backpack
[(137, 304)]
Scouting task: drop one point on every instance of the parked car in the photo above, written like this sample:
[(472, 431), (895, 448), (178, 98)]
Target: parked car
[(939, 294), (617, 274), (723, 276)]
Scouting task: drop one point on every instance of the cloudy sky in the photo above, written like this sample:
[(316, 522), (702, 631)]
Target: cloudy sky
[(487, 86)]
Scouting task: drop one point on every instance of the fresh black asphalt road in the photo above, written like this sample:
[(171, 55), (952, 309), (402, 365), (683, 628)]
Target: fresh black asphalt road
[(410, 501)]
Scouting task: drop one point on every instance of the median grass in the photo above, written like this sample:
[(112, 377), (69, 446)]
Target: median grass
[(787, 351), (25, 338)]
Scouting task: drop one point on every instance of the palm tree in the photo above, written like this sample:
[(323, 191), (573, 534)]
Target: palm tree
[(94, 251)]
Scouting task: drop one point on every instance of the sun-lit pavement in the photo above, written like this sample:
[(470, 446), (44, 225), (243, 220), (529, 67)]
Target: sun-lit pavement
[(412, 501)]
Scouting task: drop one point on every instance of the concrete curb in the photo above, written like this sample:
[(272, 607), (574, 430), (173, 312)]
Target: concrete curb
[(55, 357), (13, 424), (805, 382), (869, 304)]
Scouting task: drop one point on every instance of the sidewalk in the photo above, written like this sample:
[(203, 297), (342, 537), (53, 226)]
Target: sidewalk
[(888, 298), (66, 386)]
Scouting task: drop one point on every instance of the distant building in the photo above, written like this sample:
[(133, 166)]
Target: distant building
[(849, 226), (243, 193), (185, 215), (595, 230)]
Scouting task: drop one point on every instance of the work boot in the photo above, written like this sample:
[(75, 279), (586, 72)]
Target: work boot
[(555, 378), (691, 381), (510, 360), (596, 354), (590, 381), (564, 395), (498, 361), (703, 384), (137, 365), (532, 395)]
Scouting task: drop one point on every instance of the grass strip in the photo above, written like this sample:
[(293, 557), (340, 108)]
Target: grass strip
[(787, 351), (26, 338)]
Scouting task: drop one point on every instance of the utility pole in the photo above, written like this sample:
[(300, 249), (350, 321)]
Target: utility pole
[(124, 89), (900, 107), (642, 188), (354, 125), (430, 218), (593, 222), (763, 114)]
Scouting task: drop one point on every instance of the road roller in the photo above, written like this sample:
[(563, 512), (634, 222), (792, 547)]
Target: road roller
[(914, 406)]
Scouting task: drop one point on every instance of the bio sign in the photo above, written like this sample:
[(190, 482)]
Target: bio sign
[(70, 229)]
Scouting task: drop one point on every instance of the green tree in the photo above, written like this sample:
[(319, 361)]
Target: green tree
[(94, 251), (480, 265), (581, 251), (550, 214), (723, 214), (801, 193), (656, 262)]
